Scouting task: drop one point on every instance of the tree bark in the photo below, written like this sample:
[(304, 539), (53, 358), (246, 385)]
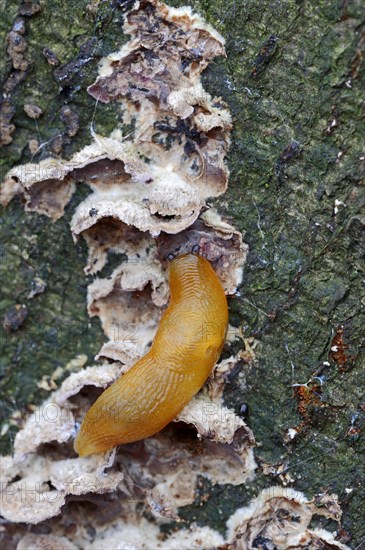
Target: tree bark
[(294, 81)]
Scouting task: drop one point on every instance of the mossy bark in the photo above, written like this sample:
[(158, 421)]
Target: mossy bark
[(294, 80)]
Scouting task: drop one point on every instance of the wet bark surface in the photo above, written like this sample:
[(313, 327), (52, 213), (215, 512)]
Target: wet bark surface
[(294, 80)]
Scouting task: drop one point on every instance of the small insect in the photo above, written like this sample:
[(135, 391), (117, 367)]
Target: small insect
[(187, 345)]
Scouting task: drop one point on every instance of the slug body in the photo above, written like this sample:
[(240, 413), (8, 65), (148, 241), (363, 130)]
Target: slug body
[(186, 347)]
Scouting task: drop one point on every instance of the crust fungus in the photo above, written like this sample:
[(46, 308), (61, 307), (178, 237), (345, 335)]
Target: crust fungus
[(160, 178), (279, 518), (148, 202), (43, 455)]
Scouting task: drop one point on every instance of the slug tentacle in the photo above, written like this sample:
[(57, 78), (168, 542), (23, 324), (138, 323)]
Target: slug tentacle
[(186, 346)]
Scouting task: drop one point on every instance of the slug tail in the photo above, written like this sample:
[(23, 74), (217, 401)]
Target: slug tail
[(85, 446)]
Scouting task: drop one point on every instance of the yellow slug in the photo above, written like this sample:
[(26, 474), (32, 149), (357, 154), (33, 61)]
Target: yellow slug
[(186, 347)]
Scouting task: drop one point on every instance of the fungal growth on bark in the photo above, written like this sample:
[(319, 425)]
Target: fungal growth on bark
[(148, 203), (159, 178)]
